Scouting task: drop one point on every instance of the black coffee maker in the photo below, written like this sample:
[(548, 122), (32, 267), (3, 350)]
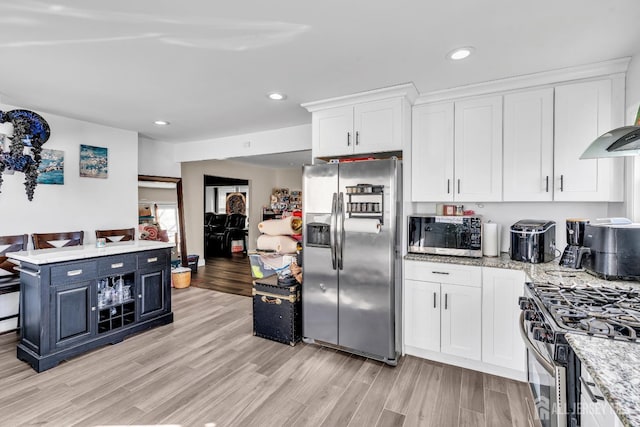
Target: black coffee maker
[(575, 250)]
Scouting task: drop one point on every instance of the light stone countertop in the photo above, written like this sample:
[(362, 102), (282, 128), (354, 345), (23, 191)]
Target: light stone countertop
[(614, 366), (72, 253), (548, 272)]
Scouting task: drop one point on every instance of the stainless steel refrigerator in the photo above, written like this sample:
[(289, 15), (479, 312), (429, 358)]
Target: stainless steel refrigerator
[(351, 293)]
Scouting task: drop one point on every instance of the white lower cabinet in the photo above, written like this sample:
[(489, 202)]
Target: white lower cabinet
[(422, 315), (502, 344), (464, 315), (460, 317), (442, 316), (595, 411)]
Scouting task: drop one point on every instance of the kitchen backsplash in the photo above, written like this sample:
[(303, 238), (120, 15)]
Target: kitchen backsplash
[(505, 214)]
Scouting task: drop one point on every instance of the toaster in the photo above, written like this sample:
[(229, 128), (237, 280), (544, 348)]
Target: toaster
[(533, 241)]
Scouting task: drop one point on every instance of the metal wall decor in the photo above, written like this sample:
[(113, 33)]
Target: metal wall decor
[(22, 134)]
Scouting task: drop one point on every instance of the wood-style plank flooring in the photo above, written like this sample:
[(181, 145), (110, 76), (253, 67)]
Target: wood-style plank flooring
[(225, 274), (207, 369)]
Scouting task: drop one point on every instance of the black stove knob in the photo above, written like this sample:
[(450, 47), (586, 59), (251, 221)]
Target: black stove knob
[(531, 315), (525, 303), (540, 334), (534, 325)]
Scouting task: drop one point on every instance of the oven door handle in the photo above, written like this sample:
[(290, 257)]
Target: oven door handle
[(548, 366)]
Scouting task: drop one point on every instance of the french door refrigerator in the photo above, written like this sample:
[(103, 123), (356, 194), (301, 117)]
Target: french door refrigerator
[(351, 293)]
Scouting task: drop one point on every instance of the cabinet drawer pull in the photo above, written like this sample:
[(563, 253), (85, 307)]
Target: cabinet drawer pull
[(154, 259), (547, 183), (448, 186), (440, 272), (434, 300), (561, 182), (357, 138), (445, 300), (74, 272), (458, 186), (348, 139), (29, 272), (587, 385), (117, 265)]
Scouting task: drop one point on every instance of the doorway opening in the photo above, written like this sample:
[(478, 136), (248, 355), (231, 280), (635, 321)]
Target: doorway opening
[(226, 220)]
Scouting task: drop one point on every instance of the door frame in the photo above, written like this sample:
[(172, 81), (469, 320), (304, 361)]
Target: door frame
[(183, 237)]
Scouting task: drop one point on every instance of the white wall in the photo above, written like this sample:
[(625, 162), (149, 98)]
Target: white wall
[(157, 158), (289, 178), (295, 138), (81, 203)]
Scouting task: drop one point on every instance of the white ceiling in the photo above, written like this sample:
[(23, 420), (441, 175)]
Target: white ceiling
[(206, 66)]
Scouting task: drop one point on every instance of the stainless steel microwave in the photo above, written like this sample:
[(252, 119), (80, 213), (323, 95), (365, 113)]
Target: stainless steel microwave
[(445, 235)]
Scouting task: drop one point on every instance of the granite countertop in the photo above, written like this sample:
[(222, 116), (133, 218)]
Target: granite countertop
[(71, 253), (614, 366), (548, 272)]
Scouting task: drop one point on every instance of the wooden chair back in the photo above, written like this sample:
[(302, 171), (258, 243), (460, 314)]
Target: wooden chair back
[(43, 240), (11, 244), (119, 235)]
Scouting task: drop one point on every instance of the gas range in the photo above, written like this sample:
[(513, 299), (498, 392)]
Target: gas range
[(553, 309)]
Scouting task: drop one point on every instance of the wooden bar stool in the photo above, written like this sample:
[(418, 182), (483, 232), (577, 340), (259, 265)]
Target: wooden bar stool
[(9, 276), (119, 235), (57, 240)]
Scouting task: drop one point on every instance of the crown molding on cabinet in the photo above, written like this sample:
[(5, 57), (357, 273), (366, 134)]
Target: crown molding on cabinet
[(406, 90), (599, 69)]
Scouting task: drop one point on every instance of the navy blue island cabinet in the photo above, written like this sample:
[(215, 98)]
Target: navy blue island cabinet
[(75, 299)]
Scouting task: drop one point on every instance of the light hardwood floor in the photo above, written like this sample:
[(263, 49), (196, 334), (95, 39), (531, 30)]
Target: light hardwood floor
[(207, 369)]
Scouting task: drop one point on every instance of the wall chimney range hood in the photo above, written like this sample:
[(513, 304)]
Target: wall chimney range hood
[(623, 141)]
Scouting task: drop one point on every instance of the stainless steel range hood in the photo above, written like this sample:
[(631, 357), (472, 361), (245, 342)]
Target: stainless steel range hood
[(624, 141)]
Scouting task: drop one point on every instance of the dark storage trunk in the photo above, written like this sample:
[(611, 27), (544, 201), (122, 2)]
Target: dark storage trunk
[(276, 311)]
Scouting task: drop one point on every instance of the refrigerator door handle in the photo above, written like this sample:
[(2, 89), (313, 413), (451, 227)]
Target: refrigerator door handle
[(340, 230), (332, 230)]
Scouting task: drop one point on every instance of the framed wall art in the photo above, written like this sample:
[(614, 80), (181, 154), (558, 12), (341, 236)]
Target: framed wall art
[(94, 161), (51, 169)]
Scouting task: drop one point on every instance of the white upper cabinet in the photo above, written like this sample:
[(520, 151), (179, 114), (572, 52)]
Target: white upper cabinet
[(369, 127), (584, 111), (377, 126), (478, 150), (457, 151), (333, 129), (528, 146), (432, 152), (372, 122)]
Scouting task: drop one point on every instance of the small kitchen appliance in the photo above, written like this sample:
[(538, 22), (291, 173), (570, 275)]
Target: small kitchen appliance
[(614, 250), (573, 254), (533, 241), (445, 235)]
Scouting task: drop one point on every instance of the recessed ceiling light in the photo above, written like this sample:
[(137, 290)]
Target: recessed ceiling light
[(161, 123), (460, 53), (275, 96)]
